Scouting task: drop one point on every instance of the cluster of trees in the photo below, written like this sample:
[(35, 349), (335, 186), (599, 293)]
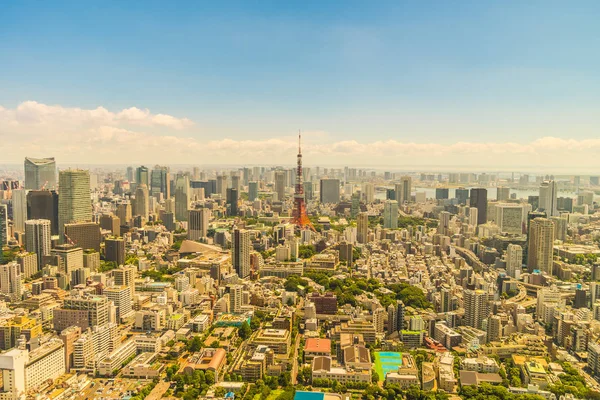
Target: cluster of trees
[(264, 388), (410, 295), (191, 386), (582, 259), (486, 391), (145, 391), (292, 282), (106, 266), (245, 331), (161, 274), (513, 373), (572, 382), (339, 387), (307, 250)]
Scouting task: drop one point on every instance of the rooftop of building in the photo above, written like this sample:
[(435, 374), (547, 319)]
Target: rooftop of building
[(317, 345)]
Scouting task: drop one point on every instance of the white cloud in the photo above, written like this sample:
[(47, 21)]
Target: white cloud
[(100, 136), (34, 113)]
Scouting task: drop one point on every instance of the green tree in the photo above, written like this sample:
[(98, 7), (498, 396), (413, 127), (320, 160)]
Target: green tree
[(245, 331)]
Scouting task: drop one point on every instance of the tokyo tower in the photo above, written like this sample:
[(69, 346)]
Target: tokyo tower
[(299, 217)]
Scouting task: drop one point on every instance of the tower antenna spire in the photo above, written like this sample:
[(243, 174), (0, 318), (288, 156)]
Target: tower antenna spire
[(299, 142)]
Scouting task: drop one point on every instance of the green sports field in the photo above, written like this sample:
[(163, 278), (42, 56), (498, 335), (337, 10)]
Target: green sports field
[(387, 361)]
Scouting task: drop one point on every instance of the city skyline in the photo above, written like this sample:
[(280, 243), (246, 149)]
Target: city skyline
[(473, 85)]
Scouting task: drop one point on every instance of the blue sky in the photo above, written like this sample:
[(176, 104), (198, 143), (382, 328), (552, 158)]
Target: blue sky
[(410, 71)]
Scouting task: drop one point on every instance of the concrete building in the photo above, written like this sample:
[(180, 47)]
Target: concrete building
[(198, 222), (19, 209), (540, 245), (240, 249), (509, 218), (476, 306), (121, 298), (43, 204), (403, 190), (81, 311), (548, 198), (37, 239), (114, 250), (11, 283), (142, 201), (84, 234), (362, 228), (25, 371), (478, 200), (3, 225), (330, 191)]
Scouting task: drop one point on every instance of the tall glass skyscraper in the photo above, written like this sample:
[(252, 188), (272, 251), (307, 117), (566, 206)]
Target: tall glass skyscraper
[(40, 172), (74, 202)]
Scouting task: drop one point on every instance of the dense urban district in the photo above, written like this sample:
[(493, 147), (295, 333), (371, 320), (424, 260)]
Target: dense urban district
[(275, 283)]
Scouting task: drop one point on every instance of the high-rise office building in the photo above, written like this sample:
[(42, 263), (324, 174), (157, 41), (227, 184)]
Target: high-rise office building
[(280, 185), (40, 173), (444, 224), (548, 198), (3, 226), (198, 223), (240, 247), (142, 201), (11, 284), (130, 175), (442, 193), (509, 218), (111, 223), (84, 234), (462, 195), (235, 298), (81, 311), (478, 199), (142, 176), (124, 212), (114, 250), (308, 191), (182, 197), (68, 257), (235, 182), (502, 193), (19, 209), (390, 214), (362, 228), (37, 238), (221, 188), (125, 276), (354, 205), (540, 245), (121, 298), (232, 202), (514, 260), (330, 191), (74, 202), (252, 190), (160, 181), (403, 190), (369, 192), (476, 307), (395, 317), (43, 204)]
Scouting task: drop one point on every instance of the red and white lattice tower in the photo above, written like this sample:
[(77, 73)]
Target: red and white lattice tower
[(299, 217)]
